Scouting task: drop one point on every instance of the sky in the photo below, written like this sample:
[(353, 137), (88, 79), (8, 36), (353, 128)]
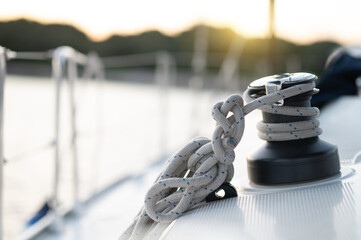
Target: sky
[(303, 21)]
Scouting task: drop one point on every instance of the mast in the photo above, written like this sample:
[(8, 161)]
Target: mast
[(272, 39)]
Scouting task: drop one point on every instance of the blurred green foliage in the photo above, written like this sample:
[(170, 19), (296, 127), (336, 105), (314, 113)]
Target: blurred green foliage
[(25, 35)]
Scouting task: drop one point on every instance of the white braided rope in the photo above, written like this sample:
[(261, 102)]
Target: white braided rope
[(290, 130), (203, 165)]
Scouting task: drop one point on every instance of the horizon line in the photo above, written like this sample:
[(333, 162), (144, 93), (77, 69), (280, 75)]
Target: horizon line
[(101, 38)]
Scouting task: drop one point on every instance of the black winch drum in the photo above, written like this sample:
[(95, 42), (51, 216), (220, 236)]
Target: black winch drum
[(294, 161)]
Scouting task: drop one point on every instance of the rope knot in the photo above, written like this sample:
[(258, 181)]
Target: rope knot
[(189, 176), (229, 129)]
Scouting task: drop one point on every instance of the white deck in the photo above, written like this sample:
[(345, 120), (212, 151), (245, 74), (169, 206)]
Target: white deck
[(106, 216), (327, 209)]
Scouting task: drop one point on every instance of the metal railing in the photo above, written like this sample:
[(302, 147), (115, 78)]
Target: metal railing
[(3, 57), (65, 62), (65, 58)]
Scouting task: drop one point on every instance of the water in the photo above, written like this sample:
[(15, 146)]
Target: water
[(122, 127)]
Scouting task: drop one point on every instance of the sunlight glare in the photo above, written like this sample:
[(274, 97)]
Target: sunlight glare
[(102, 19), (299, 21)]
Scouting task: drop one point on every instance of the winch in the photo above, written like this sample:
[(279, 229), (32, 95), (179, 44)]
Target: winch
[(298, 154)]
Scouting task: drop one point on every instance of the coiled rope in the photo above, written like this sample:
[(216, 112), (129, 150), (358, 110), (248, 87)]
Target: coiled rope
[(203, 165), (290, 130)]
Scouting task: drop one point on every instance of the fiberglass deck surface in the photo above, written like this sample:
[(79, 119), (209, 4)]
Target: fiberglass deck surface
[(333, 205), (107, 216)]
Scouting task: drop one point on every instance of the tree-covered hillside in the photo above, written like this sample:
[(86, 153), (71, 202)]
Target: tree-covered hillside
[(25, 35)]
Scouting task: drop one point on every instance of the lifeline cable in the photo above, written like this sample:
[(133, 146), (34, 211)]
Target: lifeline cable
[(203, 165)]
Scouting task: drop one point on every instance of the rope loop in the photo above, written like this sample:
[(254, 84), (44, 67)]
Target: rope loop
[(229, 130), (289, 130), (194, 172)]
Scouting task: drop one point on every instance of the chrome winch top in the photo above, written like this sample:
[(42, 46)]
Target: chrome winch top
[(277, 82), (282, 79)]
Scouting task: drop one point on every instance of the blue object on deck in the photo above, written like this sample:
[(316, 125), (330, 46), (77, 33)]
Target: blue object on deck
[(39, 214), (342, 70)]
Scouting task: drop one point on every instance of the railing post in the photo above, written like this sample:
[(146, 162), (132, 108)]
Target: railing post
[(94, 68), (66, 57), (227, 75), (199, 67), (165, 74), (57, 74), (72, 75), (2, 82)]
